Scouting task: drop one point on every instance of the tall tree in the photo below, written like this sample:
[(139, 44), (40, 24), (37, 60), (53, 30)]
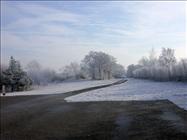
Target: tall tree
[(168, 60), (99, 65), (14, 77), (167, 57)]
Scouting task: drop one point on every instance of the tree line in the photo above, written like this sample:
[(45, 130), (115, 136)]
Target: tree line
[(95, 66), (162, 68)]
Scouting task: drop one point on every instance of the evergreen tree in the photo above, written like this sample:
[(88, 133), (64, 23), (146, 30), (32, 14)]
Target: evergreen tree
[(14, 78)]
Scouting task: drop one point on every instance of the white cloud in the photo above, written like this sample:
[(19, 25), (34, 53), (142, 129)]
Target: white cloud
[(57, 36), (38, 15)]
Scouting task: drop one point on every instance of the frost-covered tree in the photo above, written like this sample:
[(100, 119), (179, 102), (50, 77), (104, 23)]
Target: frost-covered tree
[(162, 69), (144, 61), (152, 58), (85, 73), (48, 76), (99, 65), (72, 71), (40, 75), (130, 70), (34, 71), (148, 65), (167, 57), (118, 71), (14, 78), (180, 70)]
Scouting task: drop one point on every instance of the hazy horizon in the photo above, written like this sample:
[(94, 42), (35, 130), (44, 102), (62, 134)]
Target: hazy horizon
[(57, 33)]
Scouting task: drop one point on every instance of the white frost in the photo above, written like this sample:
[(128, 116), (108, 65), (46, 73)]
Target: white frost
[(63, 87), (136, 89)]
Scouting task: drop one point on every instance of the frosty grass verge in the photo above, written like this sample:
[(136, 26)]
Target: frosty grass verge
[(136, 89), (63, 87)]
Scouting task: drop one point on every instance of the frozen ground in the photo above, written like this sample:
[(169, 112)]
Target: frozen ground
[(136, 89), (63, 87)]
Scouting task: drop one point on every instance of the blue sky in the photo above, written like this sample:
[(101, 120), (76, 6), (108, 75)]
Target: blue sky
[(57, 33)]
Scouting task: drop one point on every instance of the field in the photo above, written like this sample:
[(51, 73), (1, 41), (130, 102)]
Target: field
[(135, 89)]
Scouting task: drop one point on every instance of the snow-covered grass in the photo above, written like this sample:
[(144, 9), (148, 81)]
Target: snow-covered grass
[(136, 89), (63, 87)]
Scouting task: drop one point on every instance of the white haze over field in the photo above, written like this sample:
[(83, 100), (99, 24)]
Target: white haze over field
[(57, 33)]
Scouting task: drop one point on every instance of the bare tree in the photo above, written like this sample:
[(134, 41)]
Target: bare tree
[(40, 75), (34, 71), (163, 69), (72, 71), (167, 57), (99, 65)]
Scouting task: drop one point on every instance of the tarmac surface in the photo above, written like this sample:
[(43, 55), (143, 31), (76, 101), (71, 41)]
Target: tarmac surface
[(50, 117)]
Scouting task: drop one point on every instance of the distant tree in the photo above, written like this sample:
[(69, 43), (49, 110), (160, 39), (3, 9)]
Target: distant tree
[(167, 57), (164, 68), (48, 76), (85, 71), (131, 68), (34, 71), (180, 70), (152, 57), (148, 65), (144, 61), (72, 71), (118, 71), (40, 75), (99, 65)]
